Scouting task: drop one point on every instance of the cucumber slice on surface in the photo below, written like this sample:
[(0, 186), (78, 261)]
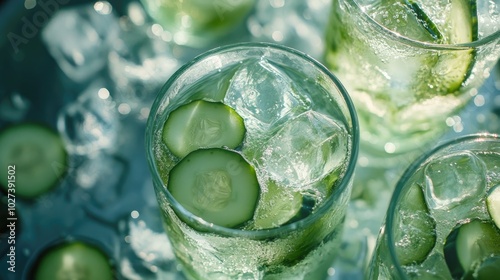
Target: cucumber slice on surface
[(276, 206), (75, 260), (493, 204), (216, 185), (202, 124), (469, 244), (39, 157), (414, 228)]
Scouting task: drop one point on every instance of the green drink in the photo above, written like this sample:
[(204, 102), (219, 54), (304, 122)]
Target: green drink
[(198, 22), (420, 62), (443, 221), (252, 149)]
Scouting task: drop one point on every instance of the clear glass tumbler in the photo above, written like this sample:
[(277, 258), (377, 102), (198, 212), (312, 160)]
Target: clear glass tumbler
[(410, 66), (443, 220), (291, 134)]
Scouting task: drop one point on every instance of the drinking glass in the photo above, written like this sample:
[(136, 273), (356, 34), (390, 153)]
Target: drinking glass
[(443, 220), (198, 22), (410, 66), (300, 141)]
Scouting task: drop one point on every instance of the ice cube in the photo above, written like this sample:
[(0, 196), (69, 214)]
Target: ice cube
[(454, 180), (263, 95), (299, 24), (139, 64), (305, 150), (101, 176), (90, 123), (79, 37)]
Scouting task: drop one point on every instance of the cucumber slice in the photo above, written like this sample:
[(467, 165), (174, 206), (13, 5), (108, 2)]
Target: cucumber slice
[(469, 244), (424, 21), (202, 124), (463, 23), (493, 205), (39, 157), (216, 185), (452, 68), (276, 206), (415, 233), (457, 19), (75, 260)]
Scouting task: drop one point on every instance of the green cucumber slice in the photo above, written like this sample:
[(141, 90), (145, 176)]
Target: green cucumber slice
[(33, 158), (469, 244), (451, 68), (202, 124), (454, 67), (276, 206), (493, 205), (216, 185), (74, 260), (457, 19), (462, 23), (415, 229)]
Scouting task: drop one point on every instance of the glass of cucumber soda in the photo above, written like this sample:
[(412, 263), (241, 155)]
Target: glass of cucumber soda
[(421, 61), (252, 149), (443, 220)]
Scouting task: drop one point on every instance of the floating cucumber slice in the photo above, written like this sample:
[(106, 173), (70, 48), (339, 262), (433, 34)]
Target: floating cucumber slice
[(202, 124), (75, 260), (469, 244), (424, 22), (216, 185), (455, 67), (415, 232), (463, 23), (34, 158), (457, 19), (276, 206), (451, 68), (493, 204)]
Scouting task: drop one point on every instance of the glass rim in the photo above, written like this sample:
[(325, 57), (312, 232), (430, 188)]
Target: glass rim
[(261, 233), (420, 44), (408, 173)]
